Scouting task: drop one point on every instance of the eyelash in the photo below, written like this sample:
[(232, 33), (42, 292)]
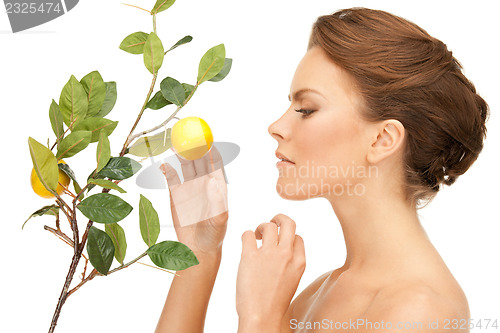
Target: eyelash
[(305, 112)]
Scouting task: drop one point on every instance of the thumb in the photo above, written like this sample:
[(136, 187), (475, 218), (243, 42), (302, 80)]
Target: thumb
[(170, 174)]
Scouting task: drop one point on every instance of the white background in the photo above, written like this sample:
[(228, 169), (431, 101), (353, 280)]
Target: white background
[(266, 40)]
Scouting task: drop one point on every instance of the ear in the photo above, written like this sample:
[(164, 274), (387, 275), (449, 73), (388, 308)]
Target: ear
[(388, 137)]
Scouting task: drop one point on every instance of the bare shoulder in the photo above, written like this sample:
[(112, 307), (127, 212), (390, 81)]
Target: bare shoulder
[(310, 289), (302, 302), (417, 306), (314, 286)]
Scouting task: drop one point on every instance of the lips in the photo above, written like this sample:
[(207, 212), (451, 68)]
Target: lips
[(283, 157)]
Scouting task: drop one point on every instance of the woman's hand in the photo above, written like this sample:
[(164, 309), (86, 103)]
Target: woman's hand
[(268, 276), (199, 205)]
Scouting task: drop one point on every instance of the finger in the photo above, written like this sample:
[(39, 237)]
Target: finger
[(188, 170), (287, 229), (170, 175), (200, 166), (248, 241), (216, 165), (215, 161), (268, 232), (299, 253)]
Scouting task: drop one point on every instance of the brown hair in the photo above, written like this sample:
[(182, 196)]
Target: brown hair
[(403, 73)]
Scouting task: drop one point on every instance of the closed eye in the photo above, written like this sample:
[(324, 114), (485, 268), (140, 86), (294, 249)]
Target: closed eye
[(305, 112)]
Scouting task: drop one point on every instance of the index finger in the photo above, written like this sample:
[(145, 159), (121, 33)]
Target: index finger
[(215, 161), (286, 235), (188, 169)]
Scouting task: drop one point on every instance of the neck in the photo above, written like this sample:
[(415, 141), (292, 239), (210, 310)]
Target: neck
[(380, 231)]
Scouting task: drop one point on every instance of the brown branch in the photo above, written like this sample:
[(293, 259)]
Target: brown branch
[(92, 275), (127, 264), (127, 141), (85, 234), (57, 222), (61, 235), (84, 267), (64, 292)]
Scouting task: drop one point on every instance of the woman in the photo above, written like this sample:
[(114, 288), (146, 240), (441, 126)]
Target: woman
[(380, 116)]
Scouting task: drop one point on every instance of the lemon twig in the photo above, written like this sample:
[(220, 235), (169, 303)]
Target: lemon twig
[(63, 203), (57, 222), (95, 273), (127, 141), (84, 268), (91, 275), (79, 245), (62, 135), (61, 206), (61, 235), (135, 136), (161, 269), (67, 191), (126, 4), (81, 191), (127, 264)]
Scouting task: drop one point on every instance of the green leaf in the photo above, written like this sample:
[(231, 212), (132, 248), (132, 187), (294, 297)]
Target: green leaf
[(106, 184), (157, 102), (45, 164), (96, 92), (117, 235), (109, 100), (95, 126), (119, 168), (73, 144), (188, 88), (162, 5), (103, 153), (173, 91), (134, 43), (73, 102), (172, 255), (151, 145), (56, 120), (93, 175), (153, 53), (228, 62), (211, 63), (100, 249), (69, 172), (104, 208), (45, 210), (148, 221), (183, 40)]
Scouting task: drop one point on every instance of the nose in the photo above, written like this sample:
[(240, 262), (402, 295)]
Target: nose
[(277, 129), (273, 131)]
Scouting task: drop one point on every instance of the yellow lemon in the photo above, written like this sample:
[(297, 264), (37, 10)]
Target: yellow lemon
[(39, 189), (191, 138)]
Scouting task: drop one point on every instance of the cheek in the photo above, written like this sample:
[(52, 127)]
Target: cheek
[(330, 140)]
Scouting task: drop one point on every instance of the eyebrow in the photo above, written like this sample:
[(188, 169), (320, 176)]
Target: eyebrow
[(298, 94)]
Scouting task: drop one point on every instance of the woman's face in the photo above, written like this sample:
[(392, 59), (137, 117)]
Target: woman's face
[(327, 147)]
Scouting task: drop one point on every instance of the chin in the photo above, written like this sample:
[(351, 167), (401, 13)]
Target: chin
[(294, 190)]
